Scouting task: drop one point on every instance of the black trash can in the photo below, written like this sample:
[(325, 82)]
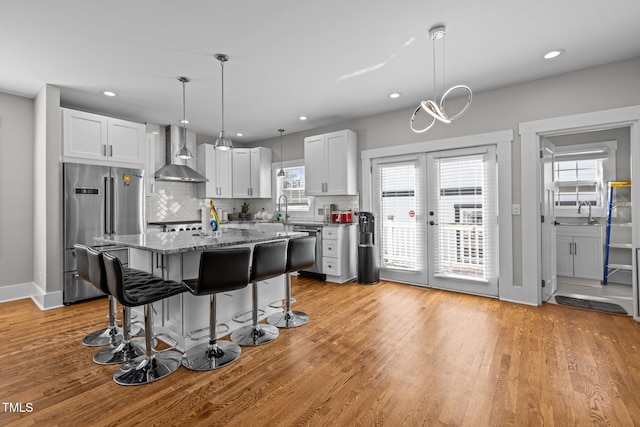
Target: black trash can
[(368, 259)]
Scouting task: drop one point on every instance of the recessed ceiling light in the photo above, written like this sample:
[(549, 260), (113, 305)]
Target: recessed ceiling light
[(553, 54), (109, 93), (394, 95), (303, 117), (185, 121), (239, 134)]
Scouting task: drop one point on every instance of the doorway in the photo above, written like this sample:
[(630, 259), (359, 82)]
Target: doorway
[(576, 169), (531, 133)]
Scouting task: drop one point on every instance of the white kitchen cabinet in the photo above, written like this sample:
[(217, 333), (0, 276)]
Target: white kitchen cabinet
[(330, 162), (216, 165), (251, 169), (579, 251), (339, 253), (102, 140)]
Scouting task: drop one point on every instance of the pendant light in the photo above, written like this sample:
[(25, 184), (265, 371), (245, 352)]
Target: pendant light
[(222, 141), (281, 173), (184, 152), (433, 108)]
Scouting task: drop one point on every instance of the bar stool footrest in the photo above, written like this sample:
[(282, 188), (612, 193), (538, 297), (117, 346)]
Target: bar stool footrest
[(237, 317)]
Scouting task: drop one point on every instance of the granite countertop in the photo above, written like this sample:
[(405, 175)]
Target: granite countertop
[(185, 241)]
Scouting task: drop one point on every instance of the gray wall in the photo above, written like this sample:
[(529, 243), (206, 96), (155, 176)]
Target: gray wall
[(16, 190), (599, 88)]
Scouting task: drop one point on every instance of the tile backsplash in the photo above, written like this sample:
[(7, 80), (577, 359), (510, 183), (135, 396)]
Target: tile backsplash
[(173, 201)]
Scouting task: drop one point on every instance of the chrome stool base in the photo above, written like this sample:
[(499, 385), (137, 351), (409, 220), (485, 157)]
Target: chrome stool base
[(103, 337), (122, 353), (289, 319), (251, 336), (146, 369), (205, 357)]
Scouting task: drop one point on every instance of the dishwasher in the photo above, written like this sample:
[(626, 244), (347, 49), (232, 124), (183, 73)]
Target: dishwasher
[(315, 271)]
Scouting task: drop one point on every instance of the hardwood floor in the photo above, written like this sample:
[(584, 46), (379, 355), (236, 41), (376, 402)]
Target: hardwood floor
[(387, 354)]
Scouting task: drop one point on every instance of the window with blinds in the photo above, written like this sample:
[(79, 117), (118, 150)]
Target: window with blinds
[(292, 186), (400, 191), (465, 199)]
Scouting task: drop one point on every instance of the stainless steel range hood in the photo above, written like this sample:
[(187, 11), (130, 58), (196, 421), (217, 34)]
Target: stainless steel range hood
[(176, 169)]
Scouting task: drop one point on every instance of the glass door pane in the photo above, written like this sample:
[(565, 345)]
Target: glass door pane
[(399, 209), (463, 220)]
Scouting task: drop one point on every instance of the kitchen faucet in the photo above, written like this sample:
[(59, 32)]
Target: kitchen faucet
[(286, 206), (591, 219)]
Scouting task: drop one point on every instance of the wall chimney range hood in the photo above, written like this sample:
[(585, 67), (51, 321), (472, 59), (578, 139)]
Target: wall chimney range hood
[(176, 168)]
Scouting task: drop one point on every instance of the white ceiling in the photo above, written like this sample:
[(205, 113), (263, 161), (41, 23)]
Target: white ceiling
[(331, 60)]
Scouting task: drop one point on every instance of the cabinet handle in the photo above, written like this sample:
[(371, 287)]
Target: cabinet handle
[(111, 151), (104, 150), (575, 249), (570, 248)]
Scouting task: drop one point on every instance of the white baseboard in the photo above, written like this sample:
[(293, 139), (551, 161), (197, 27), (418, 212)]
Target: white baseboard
[(44, 301)]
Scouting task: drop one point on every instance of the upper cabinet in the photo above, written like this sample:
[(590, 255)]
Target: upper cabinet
[(216, 166), (99, 139), (251, 172), (330, 164)]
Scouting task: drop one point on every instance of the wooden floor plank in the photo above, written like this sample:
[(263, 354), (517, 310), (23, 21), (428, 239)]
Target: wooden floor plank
[(388, 355)]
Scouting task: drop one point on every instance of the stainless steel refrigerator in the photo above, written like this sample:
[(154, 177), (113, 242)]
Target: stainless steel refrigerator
[(98, 201)]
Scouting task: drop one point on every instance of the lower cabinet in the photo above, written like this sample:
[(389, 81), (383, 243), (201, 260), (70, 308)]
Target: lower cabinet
[(339, 253), (579, 251)]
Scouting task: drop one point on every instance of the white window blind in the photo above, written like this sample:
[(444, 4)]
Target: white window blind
[(401, 189), (466, 204)]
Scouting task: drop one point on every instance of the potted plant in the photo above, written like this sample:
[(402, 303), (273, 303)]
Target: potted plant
[(244, 211)]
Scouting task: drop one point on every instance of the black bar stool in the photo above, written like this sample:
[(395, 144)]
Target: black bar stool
[(111, 335), (153, 365), (221, 270), (301, 253), (126, 350), (269, 260)]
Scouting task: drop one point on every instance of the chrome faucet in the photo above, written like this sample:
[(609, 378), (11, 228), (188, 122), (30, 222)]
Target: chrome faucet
[(286, 206), (591, 219)]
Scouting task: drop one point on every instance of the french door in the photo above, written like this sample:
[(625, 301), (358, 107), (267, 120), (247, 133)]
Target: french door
[(399, 208), (462, 220)]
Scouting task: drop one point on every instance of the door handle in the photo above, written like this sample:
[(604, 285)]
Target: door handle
[(105, 217), (432, 223), (113, 209)]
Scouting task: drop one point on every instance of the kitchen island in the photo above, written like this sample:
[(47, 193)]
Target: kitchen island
[(176, 256)]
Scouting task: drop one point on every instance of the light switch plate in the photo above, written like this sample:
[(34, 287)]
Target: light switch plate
[(515, 209)]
